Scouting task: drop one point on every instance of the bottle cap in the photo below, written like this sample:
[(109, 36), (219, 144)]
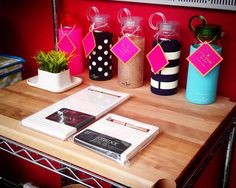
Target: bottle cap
[(121, 12), (100, 18), (211, 30), (131, 21), (205, 31), (168, 26), (157, 24)]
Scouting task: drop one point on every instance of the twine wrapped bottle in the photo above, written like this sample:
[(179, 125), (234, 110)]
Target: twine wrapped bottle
[(130, 74)]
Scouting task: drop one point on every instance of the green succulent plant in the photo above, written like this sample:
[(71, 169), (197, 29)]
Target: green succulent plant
[(52, 61)]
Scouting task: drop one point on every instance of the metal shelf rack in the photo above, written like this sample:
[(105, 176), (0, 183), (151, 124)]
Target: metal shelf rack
[(65, 169)]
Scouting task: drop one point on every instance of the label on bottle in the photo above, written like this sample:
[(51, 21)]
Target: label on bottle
[(89, 43), (157, 59), (125, 49), (205, 58), (66, 44)]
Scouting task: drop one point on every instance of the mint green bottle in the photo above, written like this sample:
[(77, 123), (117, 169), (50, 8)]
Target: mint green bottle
[(202, 89)]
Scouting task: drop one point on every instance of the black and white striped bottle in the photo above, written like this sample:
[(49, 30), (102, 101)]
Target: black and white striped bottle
[(166, 81)]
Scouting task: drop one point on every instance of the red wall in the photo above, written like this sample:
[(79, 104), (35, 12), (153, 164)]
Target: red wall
[(26, 27)]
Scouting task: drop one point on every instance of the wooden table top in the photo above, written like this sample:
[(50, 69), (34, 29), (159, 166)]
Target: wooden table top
[(185, 128)]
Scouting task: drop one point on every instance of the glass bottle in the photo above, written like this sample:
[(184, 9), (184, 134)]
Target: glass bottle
[(100, 59), (165, 82), (202, 89), (70, 41), (130, 74)]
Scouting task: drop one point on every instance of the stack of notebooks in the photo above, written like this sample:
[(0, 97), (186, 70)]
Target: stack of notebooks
[(73, 113), (114, 136)]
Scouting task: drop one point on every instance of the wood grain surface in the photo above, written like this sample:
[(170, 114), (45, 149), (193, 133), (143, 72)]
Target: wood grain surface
[(185, 128)]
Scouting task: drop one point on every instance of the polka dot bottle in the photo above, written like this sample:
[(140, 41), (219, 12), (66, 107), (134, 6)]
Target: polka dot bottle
[(100, 59)]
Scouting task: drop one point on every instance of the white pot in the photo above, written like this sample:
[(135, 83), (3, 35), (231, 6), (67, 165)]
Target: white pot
[(54, 81)]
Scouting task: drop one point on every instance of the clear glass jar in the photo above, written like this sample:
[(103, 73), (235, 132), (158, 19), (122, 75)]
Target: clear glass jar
[(203, 89), (130, 74), (165, 82), (100, 59)]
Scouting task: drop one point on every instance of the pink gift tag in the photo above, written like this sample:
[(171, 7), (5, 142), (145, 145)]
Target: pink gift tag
[(125, 49), (157, 58), (204, 59), (65, 44), (89, 43)]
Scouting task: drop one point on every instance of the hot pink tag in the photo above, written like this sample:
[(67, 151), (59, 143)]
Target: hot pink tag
[(89, 43), (65, 44), (125, 49), (204, 59), (157, 58)]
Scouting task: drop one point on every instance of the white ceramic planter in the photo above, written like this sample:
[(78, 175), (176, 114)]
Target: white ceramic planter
[(54, 81)]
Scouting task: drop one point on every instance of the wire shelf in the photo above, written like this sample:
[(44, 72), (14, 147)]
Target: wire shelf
[(65, 169)]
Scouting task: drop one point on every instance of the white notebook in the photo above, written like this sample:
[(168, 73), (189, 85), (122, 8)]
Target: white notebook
[(117, 137), (64, 118)]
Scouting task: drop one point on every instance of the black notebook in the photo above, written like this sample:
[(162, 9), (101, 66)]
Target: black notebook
[(117, 137)]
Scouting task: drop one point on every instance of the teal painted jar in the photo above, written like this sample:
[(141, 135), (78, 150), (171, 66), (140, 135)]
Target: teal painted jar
[(202, 89)]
